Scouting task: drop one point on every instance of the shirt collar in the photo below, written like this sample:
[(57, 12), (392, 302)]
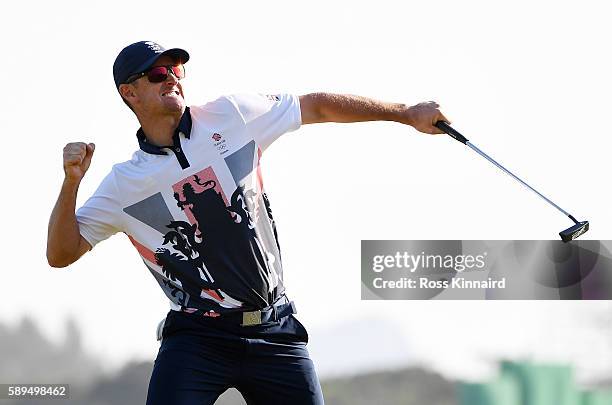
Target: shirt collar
[(184, 126)]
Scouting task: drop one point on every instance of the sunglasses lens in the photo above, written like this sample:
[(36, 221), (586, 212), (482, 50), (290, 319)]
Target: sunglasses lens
[(157, 74), (160, 73), (179, 71)]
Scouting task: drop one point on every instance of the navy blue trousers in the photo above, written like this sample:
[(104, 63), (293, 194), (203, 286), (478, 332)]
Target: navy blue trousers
[(200, 358)]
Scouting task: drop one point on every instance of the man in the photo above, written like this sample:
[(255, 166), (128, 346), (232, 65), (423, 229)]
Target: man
[(192, 202)]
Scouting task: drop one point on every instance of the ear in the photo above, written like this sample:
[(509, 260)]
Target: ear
[(128, 92)]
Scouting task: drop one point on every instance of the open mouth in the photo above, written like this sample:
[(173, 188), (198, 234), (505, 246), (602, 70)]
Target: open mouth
[(171, 93)]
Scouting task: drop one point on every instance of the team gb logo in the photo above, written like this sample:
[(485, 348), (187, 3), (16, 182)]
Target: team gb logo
[(153, 46)]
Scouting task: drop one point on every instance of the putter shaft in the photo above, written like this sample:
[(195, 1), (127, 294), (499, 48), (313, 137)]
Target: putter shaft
[(508, 172), (568, 234)]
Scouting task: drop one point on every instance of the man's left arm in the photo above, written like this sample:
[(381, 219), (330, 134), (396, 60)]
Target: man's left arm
[(326, 107)]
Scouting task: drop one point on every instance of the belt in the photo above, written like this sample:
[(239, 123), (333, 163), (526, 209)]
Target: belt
[(268, 314), (280, 309)]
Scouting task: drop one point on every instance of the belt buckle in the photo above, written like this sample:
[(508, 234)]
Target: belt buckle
[(250, 318)]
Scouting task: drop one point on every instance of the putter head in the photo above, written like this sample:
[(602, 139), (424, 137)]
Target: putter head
[(574, 231)]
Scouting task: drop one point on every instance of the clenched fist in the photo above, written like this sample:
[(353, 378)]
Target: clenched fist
[(77, 158), (423, 116)]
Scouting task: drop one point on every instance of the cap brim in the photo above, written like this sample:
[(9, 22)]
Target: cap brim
[(176, 53)]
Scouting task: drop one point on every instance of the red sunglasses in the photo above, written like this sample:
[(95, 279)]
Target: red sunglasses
[(158, 74)]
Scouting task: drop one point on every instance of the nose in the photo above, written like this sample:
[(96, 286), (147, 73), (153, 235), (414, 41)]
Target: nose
[(172, 79)]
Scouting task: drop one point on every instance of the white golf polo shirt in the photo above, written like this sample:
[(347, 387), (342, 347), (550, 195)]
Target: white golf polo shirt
[(196, 211)]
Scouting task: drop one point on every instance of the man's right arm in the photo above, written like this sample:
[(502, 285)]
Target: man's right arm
[(65, 245)]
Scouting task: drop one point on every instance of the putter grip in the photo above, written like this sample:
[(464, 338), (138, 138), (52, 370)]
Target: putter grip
[(443, 126)]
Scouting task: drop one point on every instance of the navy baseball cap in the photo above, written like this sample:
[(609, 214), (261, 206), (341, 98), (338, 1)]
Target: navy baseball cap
[(139, 56)]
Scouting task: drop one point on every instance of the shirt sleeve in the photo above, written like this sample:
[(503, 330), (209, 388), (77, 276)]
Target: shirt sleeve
[(267, 117), (100, 216)]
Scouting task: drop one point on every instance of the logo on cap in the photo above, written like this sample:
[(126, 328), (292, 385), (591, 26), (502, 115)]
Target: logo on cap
[(154, 47)]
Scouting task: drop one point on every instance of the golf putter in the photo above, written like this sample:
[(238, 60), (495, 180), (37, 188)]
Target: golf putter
[(568, 234)]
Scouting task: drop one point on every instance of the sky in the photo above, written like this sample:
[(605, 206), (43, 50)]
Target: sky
[(527, 82)]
